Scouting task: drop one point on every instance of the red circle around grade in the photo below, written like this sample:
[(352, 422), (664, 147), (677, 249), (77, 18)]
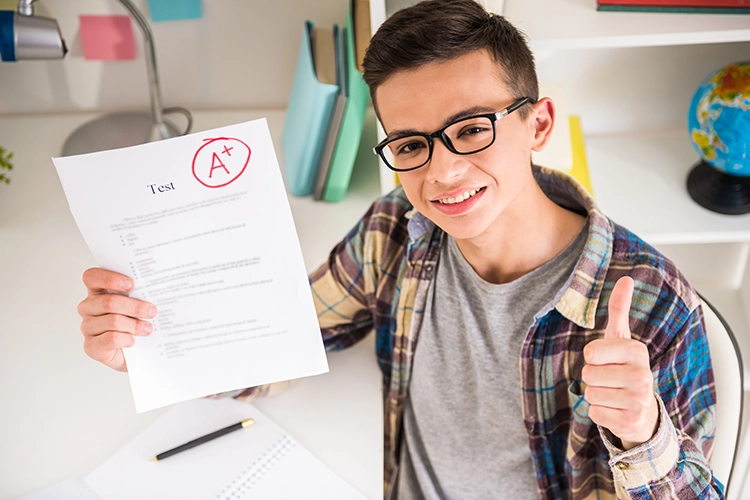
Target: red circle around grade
[(210, 141)]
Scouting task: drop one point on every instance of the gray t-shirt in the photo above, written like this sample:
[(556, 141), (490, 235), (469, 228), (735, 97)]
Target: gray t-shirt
[(464, 436)]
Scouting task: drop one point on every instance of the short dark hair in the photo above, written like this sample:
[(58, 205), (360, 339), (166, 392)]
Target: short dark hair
[(441, 30)]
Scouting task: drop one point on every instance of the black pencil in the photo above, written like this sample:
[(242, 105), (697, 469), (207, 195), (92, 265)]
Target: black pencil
[(204, 439)]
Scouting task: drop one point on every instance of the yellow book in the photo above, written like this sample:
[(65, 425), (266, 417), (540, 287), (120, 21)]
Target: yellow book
[(580, 170)]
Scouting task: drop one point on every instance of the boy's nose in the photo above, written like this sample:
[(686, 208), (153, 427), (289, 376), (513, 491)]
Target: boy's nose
[(445, 166)]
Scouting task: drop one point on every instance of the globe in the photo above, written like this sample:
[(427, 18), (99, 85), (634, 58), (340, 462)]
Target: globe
[(719, 126)]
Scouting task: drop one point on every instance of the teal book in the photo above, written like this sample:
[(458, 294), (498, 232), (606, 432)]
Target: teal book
[(336, 118), (352, 121), (307, 118)]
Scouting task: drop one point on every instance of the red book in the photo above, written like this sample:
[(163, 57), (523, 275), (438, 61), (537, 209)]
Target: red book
[(679, 3)]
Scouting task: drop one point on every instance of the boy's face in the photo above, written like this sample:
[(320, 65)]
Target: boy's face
[(427, 99)]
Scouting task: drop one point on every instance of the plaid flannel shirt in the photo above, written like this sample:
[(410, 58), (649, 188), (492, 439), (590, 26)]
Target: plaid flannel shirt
[(378, 277)]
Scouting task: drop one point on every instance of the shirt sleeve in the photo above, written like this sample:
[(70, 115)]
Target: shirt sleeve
[(341, 288), (673, 463)]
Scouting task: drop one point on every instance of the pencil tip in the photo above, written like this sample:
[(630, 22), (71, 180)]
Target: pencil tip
[(154, 459)]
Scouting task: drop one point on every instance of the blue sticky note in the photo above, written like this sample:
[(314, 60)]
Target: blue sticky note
[(174, 10)]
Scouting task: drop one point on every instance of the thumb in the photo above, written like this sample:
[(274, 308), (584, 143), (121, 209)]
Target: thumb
[(618, 323)]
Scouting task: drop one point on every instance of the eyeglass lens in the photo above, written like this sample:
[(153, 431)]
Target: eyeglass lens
[(465, 136)]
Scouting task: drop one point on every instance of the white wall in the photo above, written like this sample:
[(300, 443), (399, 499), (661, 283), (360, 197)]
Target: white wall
[(242, 54)]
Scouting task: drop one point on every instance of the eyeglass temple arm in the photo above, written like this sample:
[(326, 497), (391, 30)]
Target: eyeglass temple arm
[(512, 108)]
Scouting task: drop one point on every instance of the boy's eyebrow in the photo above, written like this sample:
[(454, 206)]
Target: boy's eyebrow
[(476, 110)]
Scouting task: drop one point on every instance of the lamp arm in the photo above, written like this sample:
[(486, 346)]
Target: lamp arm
[(153, 75), (26, 7)]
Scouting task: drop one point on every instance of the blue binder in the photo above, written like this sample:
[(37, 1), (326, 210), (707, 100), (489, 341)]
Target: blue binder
[(307, 119)]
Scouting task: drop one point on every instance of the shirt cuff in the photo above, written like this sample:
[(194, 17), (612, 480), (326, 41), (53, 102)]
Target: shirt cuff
[(646, 462)]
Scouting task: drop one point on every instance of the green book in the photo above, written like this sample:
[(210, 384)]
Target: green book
[(671, 9), (352, 121)]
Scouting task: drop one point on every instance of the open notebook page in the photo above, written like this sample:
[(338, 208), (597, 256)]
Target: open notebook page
[(260, 461)]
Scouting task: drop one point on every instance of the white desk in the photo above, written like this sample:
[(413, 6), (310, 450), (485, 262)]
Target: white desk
[(63, 414)]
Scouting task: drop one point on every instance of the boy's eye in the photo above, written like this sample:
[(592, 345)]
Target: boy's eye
[(473, 130), (410, 147)]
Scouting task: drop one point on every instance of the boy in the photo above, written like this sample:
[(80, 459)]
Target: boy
[(534, 376)]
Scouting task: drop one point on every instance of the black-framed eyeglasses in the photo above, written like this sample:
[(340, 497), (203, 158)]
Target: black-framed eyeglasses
[(463, 137)]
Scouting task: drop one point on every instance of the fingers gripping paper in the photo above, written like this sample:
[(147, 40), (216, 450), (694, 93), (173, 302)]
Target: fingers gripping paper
[(203, 226)]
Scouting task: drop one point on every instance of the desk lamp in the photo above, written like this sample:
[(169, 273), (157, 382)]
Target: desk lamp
[(26, 36)]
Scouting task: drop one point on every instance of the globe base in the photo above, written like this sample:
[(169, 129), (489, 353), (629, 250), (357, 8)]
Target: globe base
[(717, 191)]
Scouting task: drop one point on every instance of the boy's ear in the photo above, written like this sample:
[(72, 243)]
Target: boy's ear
[(542, 122)]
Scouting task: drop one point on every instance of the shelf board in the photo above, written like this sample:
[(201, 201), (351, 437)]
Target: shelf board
[(576, 24), (639, 181)]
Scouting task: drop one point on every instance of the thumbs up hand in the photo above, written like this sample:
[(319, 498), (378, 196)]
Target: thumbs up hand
[(620, 386)]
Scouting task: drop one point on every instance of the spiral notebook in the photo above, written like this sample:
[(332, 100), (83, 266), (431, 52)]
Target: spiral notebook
[(259, 462)]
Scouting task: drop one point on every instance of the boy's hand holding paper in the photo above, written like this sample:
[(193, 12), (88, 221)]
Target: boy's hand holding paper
[(202, 225)]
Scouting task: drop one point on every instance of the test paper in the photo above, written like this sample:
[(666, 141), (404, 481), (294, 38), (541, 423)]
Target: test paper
[(203, 226)]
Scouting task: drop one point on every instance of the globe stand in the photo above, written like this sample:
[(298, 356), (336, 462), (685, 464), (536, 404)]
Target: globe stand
[(717, 191)]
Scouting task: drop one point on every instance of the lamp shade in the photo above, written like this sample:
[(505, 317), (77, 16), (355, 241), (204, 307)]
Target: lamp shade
[(29, 37)]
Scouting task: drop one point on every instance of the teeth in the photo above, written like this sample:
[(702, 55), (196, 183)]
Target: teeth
[(459, 198)]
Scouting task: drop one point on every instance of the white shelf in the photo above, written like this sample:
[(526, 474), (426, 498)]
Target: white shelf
[(576, 24), (639, 181)]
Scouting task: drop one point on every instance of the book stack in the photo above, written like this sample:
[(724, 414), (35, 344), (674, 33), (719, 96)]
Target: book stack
[(327, 106), (676, 6)]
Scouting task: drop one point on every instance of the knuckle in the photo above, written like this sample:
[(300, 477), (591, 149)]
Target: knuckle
[(124, 340), (116, 340), (92, 350), (110, 302), (110, 322), (86, 328), (128, 341), (109, 341), (114, 322)]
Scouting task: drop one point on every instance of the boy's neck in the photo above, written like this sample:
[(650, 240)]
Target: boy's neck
[(530, 233)]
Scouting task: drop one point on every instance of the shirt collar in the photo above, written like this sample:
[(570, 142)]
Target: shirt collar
[(418, 224), (579, 298)]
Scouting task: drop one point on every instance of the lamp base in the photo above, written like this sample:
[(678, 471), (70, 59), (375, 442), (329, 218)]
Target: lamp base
[(115, 130), (717, 191)]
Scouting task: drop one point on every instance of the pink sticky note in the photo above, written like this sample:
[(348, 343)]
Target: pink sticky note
[(107, 38)]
